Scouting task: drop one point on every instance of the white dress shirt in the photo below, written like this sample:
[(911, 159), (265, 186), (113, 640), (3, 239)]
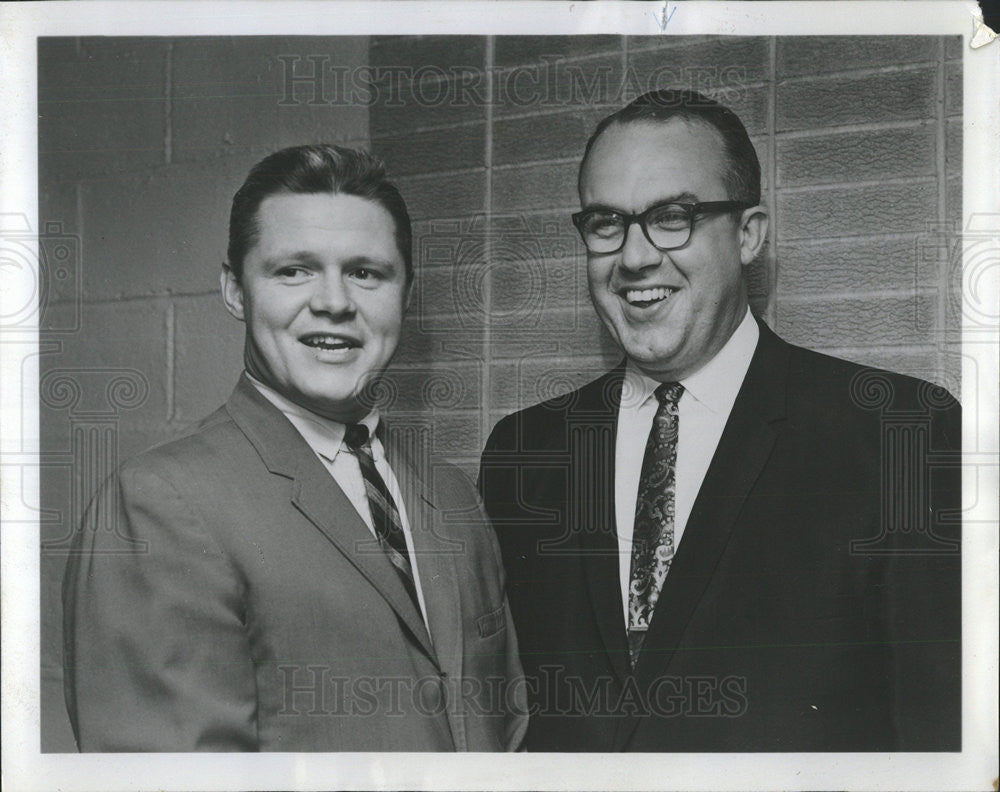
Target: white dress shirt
[(326, 438), (703, 410)]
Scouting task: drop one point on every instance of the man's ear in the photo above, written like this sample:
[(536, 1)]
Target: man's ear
[(232, 292), (753, 232)]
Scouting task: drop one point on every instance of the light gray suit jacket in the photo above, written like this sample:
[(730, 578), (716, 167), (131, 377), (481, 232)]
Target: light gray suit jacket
[(225, 595)]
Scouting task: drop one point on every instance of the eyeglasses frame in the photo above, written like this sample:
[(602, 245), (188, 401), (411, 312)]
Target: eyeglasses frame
[(691, 209)]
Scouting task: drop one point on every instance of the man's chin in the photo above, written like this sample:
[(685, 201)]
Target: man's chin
[(343, 408)]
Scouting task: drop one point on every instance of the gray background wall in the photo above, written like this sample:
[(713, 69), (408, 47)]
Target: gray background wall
[(143, 141)]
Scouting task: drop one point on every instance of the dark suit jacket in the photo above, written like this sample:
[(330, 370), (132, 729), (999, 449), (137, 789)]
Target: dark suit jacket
[(813, 603), (225, 595)]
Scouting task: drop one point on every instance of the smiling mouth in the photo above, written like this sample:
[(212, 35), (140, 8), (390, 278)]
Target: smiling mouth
[(331, 343), (643, 298)]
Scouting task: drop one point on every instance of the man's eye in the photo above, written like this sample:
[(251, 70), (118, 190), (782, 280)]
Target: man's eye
[(291, 272), (366, 274), (604, 225), (668, 219)]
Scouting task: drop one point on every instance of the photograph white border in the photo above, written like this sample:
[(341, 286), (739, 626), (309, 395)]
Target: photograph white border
[(25, 768)]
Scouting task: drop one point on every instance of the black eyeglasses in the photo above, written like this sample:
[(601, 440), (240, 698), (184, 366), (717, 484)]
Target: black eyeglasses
[(667, 226)]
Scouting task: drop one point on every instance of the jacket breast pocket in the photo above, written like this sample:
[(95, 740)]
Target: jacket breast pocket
[(491, 623)]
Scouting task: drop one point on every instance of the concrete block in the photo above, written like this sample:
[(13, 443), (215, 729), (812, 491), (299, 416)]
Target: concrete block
[(451, 301), (225, 96), (405, 106), (410, 53), (437, 150), (546, 237), (953, 49), (437, 386), (122, 343), (342, 125), (333, 106), (518, 384), (157, 235), (850, 266), (876, 154), (860, 322), (547, 187), (953, 147), (57, 204), (761, 146), (102, 109), (208, 356), (800, 56), (520, 50), (953, 201), (60, 246), (882, 98), (552, 86), (891, 208), (449, 195), (722, 63), (457, 433), (953, 90), (563, 333), (542, 137), (242, 94), (512, 270)]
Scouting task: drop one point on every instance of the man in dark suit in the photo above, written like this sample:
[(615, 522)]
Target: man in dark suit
[(728, 543), (295, 574)]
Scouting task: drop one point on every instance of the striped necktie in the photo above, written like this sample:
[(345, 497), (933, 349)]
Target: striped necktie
[(653, 534), (385, 516)]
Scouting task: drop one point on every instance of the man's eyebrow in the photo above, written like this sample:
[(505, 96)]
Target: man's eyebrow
[(683, 197), (364, 261), (295, 257), (308, 258)]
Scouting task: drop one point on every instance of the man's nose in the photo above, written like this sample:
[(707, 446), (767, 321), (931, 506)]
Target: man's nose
[(331, 295), (638, 252)]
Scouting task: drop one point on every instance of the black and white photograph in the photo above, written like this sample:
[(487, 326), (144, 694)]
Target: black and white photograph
[(609, 385)]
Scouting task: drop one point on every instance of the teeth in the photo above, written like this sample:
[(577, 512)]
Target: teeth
[(327, 342), (647, 295)]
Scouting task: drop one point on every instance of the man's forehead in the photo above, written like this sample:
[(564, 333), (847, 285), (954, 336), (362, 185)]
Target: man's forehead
[(645, 154)]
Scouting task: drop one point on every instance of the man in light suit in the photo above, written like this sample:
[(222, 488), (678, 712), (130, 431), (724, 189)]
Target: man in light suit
[(295, 574), (727, 543)]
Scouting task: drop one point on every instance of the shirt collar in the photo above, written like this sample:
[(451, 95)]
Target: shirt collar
[(323, 435), (715, 384)]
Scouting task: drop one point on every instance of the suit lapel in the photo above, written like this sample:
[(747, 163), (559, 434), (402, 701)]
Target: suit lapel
[(435, 555), (318, 497), (743, 450), (592, 425)]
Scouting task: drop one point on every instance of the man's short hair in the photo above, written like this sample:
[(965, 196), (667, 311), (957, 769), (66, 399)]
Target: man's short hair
[(742, 177), (320, 168)]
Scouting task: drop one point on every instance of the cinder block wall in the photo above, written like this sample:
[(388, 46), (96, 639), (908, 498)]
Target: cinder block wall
[(142, 143), (860, 144)]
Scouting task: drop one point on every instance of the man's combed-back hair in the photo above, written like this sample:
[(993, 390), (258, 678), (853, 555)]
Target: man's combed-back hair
[(742, 177), (320, 168)]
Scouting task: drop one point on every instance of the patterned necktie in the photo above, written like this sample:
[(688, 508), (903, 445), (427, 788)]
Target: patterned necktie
[(653, 535), (385, 516)]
